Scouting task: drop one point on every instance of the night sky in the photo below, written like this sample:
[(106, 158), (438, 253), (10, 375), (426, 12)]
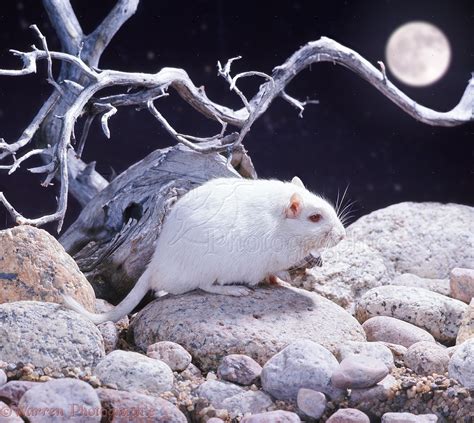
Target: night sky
[(355, 136)]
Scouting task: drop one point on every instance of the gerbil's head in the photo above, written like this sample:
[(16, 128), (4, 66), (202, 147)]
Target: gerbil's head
[(313, 218)]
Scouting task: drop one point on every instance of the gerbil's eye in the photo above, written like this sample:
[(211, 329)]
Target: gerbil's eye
[(315, 217)]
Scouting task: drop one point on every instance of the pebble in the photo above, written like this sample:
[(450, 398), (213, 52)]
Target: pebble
[(462, 284), (258, 325), (375, 350), (311, 403), (466, 330), (439, 315), (13, 391), (7, 415), (240, 369), (461, 364), (409, 418), (397, 350), (131, 371), (110, 335), (379, 393), (3, 377), (389, 329), (215, 420), (216, 391), (247, 402), (174, 355), (302, 364), (441, 286), (48, 336), (426, 358), (348, 415), (61, 400), (358, 371), (278, 416), (127, 407)]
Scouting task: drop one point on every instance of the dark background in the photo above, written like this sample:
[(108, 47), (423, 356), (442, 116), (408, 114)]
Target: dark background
[(354, 136)]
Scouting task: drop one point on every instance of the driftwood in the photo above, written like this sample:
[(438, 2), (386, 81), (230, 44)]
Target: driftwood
[(108, 240)]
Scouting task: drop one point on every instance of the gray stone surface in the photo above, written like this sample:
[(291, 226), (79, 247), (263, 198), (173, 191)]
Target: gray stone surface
[(441, 286), (259, 325), (438, 314), (278, 416), (409, 418), (349, 270), (110, 335), (61, 400), (216, 391), (379, 393), (129, 407), (466, 329), (394, 331), (247, 402), (240, 369), (461, 365), (426, 239), (462, 284), (48, 335), (375, 350), (7, 415), (302, 364), (311, 403), (348, 415), (358, 371), (426, 358), (174, 355), (3, 377), (13, 391), (134, 372)]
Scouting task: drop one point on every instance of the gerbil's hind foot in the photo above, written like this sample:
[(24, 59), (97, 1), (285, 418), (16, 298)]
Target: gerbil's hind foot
[(233, 290)]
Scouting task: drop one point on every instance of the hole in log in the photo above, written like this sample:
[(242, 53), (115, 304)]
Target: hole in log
[(133, 211)]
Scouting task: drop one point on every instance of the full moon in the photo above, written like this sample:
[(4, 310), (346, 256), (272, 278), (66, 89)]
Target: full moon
[(418, 53)]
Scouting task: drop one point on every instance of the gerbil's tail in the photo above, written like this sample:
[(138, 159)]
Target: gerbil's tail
[(125, 307)]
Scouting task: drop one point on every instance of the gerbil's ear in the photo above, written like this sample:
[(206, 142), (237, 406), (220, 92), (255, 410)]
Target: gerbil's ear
[(297, 181), (294, 208)]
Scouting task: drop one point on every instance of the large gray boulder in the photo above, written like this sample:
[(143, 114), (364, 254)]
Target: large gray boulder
[(258, 325), (426, 239), (48, 335)]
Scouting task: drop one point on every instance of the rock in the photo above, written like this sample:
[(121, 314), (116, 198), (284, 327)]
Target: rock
[(258, 325), (240, 369), (426, 239), (216, 391), (348, 415), (462, 284), (409, 418), (376, 350), (174, 355), (15, 389), (61, 400), (438, 314), (461, 365), (3, 378), (215, 420), (34, 266), (7, 415), (358, 371), (302, 364), (378, 393), (466, 329), (131, 371), (311, 403), (426, 358), (110, 335), (191, 372), (278, 416), (48, 335), (247, 402), (441, 286), (348, 271), (130, 406), (394, 331)]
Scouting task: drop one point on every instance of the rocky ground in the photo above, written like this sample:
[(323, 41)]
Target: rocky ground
[(383, 331)]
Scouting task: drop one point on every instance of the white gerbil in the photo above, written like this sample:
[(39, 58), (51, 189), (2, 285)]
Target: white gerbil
[(231, 231)]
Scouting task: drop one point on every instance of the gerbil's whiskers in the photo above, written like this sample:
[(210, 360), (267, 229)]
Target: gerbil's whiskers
[(340, 201), (347, 212)]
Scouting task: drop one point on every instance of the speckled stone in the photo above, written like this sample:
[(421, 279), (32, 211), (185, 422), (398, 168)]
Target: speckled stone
[(426, 358), (67, 399), (129, 407), (3, 378), (216, 391), (394, 331), (240, 369), (461, 364), (426, 239), (247, 402), (358, 371), (278, 416), (174, 355), (13, 391), (375, 350), (302, 364), (466, 330), (462, 284), (134, 372), (438, 314), (378, 393), (48, 335), (348, 415), (311, 403), (441, 286), (258, 325), (34, 266), (409, 418)]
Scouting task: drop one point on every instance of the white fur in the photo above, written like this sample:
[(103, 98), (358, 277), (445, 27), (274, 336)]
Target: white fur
[(231, 231)]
